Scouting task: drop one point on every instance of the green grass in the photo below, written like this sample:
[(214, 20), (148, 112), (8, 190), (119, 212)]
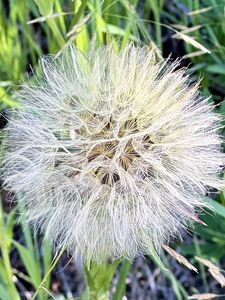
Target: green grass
[(28, 29)]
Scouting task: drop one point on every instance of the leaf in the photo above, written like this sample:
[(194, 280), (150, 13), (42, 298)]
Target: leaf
[(5, 98), (156, 258), (112, 29), (47, 258), (2, 272), (216, 69), (44, 279), (45, 6), (222, 107), (26, 230), (29, 263), (217, 207), (4, 293), (121, 285), (8, 229)]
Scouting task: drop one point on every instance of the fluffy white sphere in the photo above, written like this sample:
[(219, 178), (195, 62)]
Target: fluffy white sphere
[(111, 153)]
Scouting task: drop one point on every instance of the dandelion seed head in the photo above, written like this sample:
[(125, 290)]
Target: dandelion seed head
[(111, 152)]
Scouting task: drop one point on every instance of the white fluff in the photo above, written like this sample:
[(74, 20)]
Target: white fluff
[(110, 152)]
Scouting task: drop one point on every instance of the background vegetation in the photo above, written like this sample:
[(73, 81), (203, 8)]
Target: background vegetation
[(190, 29)]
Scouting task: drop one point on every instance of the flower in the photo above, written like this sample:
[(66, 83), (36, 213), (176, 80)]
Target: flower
[(111, 152)]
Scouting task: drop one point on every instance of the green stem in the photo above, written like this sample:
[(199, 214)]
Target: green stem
[(98, 280), (6, 260), (201, 267), (79, 13), (52, 266), (56, 32), (121, 285), (156, 11)]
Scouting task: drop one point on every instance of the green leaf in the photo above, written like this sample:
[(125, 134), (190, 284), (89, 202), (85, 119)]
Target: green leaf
[(216, 69), (156, 258), (4, 293), (217, 207), (121, 285), (47, 259), (112, 29), (26, 230), (30, 263), (222, 107), (45, 6), (8, 229), (2, 272)]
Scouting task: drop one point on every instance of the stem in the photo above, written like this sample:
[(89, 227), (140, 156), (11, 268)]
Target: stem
[(98, 280), (56, 32), (6, 260), (201, 267), (121, 285), (53, 264), (156, 12)]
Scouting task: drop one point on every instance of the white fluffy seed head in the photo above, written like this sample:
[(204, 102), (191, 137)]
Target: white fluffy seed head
[(111, 152)]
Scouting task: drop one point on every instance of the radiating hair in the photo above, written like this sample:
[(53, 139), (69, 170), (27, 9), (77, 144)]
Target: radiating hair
[(110, 152)]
